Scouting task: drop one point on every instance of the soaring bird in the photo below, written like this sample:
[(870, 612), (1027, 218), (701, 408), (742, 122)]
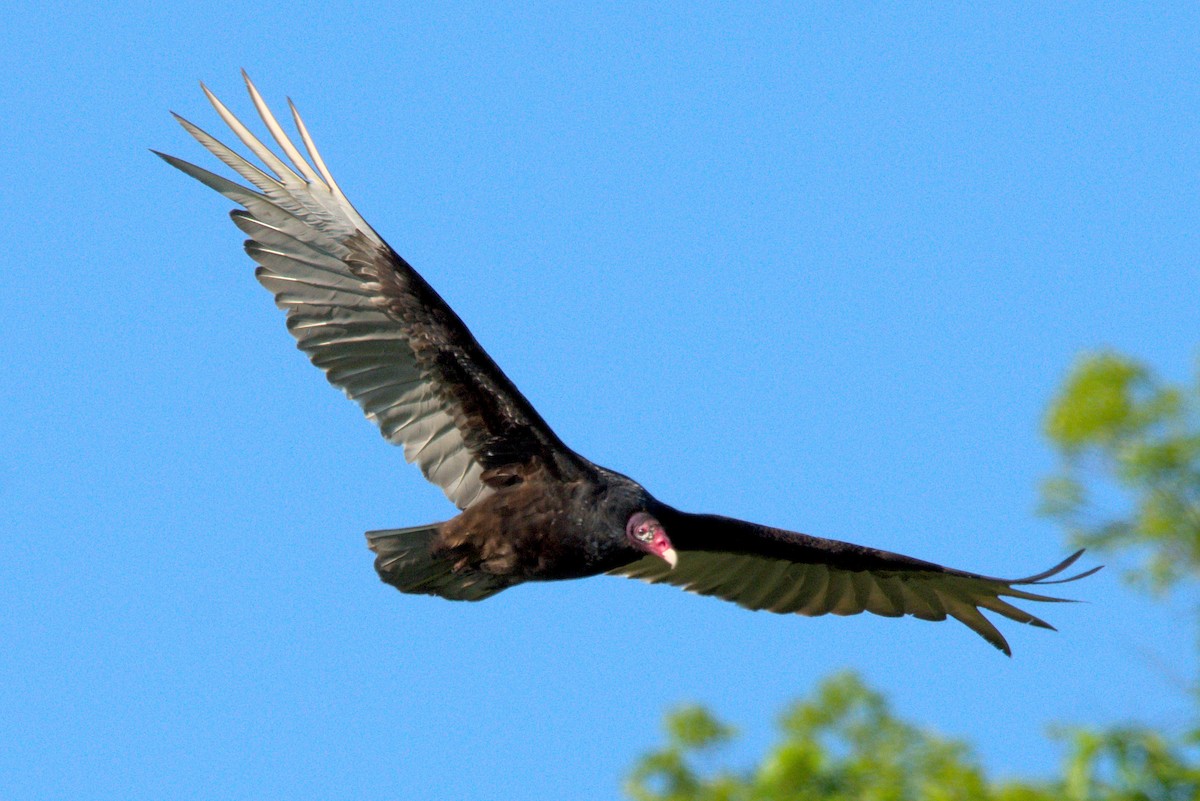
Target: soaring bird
[(530, 508)]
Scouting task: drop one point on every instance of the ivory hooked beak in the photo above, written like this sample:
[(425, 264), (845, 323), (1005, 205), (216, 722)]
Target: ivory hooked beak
[(670, 557)]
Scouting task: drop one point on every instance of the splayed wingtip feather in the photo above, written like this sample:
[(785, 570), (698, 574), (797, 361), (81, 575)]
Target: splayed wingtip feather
[(278, 134)]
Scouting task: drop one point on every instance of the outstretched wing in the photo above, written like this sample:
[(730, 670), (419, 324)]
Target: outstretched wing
[(781, 571), (371, 323)]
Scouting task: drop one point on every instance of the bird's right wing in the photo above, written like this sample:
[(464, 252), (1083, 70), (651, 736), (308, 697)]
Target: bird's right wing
[(765, 568), (372, 324)]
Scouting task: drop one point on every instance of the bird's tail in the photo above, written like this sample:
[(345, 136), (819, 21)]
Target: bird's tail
[(405, 558)]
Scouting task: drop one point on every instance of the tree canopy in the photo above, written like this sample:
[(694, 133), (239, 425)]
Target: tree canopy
[(1129, 449), (845, 743)]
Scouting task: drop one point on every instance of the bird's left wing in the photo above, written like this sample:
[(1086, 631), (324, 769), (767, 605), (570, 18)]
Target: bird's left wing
[(765, 568), (372, 323)]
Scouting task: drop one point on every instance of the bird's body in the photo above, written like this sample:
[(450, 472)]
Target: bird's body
[(531, 509), (545, 530)]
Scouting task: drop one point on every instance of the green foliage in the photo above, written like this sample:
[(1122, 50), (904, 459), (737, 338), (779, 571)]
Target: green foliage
[(1128, 441), (1131, 764), (846, 744)]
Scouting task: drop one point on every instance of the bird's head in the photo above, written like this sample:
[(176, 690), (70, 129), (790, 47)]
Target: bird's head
[(645, 533)]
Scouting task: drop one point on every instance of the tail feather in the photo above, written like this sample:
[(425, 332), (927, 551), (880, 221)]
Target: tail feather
[(404, 558)]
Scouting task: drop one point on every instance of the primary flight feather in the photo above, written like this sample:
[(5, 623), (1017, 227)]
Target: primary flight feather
[(531, 509)]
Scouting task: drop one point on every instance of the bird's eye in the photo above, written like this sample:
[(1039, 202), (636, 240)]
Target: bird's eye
[(644, 534)]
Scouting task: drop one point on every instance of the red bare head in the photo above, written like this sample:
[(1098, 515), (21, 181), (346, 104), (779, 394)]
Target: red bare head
[(647, 534)]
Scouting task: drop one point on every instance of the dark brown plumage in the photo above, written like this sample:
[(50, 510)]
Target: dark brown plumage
[(531, 508)]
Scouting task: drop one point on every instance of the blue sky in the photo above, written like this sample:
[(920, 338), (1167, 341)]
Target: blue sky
[(820, 269)]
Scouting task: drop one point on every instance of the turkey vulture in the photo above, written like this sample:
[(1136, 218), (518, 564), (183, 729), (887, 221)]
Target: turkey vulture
[(531, 509)]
